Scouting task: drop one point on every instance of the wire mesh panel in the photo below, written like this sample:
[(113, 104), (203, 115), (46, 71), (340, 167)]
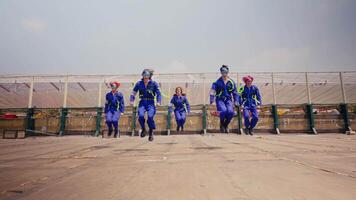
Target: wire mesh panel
[(352, 115), (325, 88), (46, 121), (83, 94), (12, 119), (82, 120), (349, 79), (48, 94), (292, 118), (328, 118), (290, 88), (14, 95)]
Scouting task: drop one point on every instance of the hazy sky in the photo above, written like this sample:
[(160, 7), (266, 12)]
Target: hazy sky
[(115, 36)]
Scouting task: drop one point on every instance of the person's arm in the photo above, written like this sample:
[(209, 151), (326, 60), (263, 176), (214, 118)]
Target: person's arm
[(235, 95), (133, 94), (187, 104), (158, 94), (122, 103), (106, 109), (170, 106), (258, 96), (212, 93)]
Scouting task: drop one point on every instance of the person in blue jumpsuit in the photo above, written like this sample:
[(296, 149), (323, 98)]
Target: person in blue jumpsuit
[(225, 94), (250, 102), (181, 107), (114, 107), (148, 92)]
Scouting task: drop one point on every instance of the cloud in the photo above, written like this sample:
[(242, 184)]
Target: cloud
[(33, 25)]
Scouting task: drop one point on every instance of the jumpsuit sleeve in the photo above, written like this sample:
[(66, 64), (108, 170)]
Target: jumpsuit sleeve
[(134, 92), (212, 93), (187, 104), (241, 97), (170, 105), (258, 95), (236, 95), (122, 103), (158, 93), (106, 109)]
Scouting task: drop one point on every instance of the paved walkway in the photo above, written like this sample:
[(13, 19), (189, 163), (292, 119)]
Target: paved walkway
[(180, 167)]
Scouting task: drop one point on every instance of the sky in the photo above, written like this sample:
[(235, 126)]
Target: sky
[(181, 36)]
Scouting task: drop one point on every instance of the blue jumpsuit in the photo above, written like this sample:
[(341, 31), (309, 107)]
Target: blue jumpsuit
[(181, 107), (250, 99), (224, 95), (147, 102), (114, 106)]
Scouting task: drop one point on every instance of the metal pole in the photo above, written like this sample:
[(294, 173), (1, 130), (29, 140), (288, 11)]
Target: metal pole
[(169, 113), (308, 89), (274, 107), (309, 107), (100, 94), (204, 109), (344, 108), (65, 92), (344, 100), (273, 90), (30, 96), (239, 118)]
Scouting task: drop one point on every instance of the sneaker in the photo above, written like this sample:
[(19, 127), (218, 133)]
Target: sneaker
[(150, 138), (143, 133), (250, 131), (247, 131)]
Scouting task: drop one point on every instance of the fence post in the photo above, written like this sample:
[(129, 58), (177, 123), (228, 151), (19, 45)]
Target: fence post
[(169, 111), (309, 107), (274, 107), (133, 126), (99, 112), (64, 113), (344, 108), (30, 121), (169, 121), (204, 120)]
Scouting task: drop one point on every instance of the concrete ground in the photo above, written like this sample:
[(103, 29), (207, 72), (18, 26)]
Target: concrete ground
[(278, 167)]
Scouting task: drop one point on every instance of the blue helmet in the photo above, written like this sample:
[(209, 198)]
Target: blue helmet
[(146, 73), (224, 69)]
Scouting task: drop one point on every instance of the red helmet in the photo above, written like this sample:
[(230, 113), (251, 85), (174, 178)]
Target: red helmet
[(247, 78), (115, 84)]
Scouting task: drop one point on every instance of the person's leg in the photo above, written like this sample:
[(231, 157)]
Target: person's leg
[(115, 120), (229, 113), (183, 118), (141, 118), (246, 114), (254, 119), (178, 119), (220, 106), (151, 111), (109, 122)]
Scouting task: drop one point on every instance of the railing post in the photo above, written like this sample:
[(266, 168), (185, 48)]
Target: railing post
[(169, 118), (99, 112), (239, 120), (63, 119), (275, 118), (344, 108), (133, 125), (30, 121), (204, 120), (309, 107), (274, 107)]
